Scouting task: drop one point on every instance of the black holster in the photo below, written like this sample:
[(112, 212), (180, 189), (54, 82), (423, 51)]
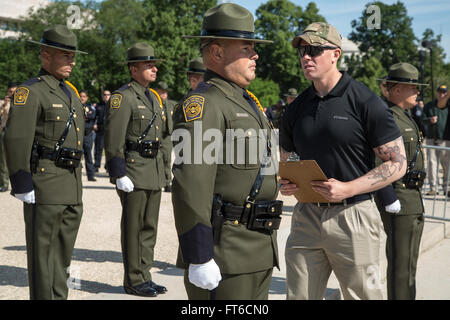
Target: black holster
[(414, 179), (68, 158), (34, 160), (217, 217), (145, 148), (265, 215)]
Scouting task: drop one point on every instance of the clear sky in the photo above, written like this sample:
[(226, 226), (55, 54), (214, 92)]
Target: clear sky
[(433, 14)]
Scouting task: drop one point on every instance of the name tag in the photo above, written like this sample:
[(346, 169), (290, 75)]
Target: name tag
[(57, 105), (339, 118), (408, 129), (141, 107), (242, 115)]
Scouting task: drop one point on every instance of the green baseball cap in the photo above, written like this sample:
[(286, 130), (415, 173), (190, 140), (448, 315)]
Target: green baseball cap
[(403, 72), (196, 66), (140, 52), (59, 37), (317, 34), (228, 21), (292, 92)]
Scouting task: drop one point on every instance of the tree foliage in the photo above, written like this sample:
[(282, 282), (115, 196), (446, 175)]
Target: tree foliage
[(281, 21)]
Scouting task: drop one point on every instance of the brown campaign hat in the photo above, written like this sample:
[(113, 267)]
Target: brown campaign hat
[(228, 21), (140, 52), (59, 37), (403, 72), (317, 34), (196, 66)]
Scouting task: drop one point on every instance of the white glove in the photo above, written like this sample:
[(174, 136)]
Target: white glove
[(206, 275), (125, 184), (394, 207), (26, 197)]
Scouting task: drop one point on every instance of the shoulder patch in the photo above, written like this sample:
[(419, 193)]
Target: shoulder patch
[(116, 99), (193, 108), (21, 96)]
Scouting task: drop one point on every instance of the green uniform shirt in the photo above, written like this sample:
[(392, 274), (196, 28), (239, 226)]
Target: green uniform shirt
[(128, 114), (410, 199), (218, 107), (40, 112)]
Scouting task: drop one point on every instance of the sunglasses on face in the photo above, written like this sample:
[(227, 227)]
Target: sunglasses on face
[(313, 51)]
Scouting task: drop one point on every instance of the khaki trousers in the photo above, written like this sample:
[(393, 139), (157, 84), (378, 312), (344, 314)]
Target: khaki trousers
[(342, 239), (433, 164)]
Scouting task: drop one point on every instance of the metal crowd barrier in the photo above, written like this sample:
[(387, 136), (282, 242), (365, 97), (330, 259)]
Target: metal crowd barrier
[(439, 204)]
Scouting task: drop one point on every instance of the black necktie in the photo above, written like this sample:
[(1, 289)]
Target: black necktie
[(66, 91), (147, 93)]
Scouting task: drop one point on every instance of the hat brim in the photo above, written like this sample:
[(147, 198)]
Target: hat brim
[(229, 38), (312, 40), (404, 82), (56, 47), (131, 61)]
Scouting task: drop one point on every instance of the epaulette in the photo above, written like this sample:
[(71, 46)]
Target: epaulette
[(125, 86), (73, 87), (202, 87), (31, 81)]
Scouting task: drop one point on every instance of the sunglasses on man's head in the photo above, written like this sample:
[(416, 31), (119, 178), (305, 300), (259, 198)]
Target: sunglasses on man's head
[(313, 51)]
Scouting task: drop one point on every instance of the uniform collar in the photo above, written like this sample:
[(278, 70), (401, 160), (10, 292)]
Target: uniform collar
[(228, 87), (49, 78), (137, 87)]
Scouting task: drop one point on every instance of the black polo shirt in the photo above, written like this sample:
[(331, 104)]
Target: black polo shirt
[(339, 130)]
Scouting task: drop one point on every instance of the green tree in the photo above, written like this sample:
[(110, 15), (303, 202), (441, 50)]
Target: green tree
[(167, 21), (267, 91), (281, 21), (441, 73), (367, 69), (393, 42)]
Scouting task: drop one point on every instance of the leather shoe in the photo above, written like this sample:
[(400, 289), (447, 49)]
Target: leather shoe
[(168, 188), (92, 179), (3, 189), (143, 290), (157, 287)]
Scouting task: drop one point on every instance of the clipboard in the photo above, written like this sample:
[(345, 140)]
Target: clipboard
[(302, 173)]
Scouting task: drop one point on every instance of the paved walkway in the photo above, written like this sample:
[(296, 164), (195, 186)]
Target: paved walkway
[(97, 260)]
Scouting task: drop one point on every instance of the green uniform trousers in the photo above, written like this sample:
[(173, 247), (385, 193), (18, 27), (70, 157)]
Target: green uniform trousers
[(4, 176), (402, 250), (140, 212), (51, 231), (249, 286), (167, 156)]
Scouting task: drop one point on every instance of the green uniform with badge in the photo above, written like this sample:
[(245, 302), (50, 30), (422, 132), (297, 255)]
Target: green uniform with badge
[(166, 145), (130, 111), (216, 108), (38, 117), (403, 229)]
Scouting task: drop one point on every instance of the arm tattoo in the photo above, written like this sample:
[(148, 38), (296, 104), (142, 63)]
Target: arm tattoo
[(393, 159)]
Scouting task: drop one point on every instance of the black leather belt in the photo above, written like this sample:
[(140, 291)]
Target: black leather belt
[(345, 202), (46, 153), (235, 213)]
